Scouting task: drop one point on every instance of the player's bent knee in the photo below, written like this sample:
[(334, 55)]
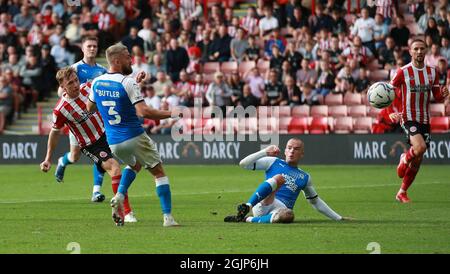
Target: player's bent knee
[(284, 216), (112, 167)]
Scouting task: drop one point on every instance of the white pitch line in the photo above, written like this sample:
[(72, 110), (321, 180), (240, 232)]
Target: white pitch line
[(216, 192)]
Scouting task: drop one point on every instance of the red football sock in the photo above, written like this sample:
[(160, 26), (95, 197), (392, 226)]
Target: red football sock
[(410, 175), (410, 155), (115, 186)]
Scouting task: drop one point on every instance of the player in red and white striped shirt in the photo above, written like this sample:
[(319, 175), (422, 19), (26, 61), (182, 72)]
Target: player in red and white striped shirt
[(71, 110), (416, 82)]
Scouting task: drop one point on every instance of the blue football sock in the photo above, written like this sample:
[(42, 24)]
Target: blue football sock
[(128, 176), (98, 176), (261, 193), (265, 219), (65, 159), (163, 192)]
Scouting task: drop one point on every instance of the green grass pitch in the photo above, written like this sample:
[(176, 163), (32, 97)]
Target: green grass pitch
[(39, 215)]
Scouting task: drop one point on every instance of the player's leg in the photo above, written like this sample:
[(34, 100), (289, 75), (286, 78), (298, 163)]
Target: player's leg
[(99, 173), (265, 191), (147, 154), (419, 146), (68, 158), (275, 212)]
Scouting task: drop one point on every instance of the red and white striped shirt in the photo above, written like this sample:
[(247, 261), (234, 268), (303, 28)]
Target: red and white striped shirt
[(384, 7), (416, 86), (105, 20), (87, 127), (249, 24)]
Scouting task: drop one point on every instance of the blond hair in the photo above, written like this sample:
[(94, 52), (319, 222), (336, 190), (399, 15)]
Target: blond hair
[(64, 73), (113, 51)]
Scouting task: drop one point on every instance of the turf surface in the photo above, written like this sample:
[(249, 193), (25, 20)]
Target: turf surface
[(39, 215)]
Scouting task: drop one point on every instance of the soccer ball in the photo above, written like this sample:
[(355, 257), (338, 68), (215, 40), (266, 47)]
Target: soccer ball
[(380, 95)]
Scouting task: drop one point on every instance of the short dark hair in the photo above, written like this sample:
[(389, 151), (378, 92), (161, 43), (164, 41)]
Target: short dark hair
[(418, 40), (89, 38)]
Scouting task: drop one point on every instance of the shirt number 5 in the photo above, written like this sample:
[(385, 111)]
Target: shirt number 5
[(112, 112)]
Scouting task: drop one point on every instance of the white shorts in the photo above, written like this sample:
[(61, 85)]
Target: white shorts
[(139, 149), (260, 210), (72, 139)]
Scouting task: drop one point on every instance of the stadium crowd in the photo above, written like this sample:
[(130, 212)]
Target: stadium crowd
[(281, 53)]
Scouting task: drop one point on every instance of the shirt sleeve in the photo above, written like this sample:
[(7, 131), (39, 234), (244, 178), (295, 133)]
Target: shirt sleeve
[(133, 90), (58, 120), (91, 95), (397, 80), (309, 191)]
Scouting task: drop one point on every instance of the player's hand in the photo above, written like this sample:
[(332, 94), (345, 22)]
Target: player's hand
[(395, 117), (272, 150), (45, 166), (444, 91), (140, 76)]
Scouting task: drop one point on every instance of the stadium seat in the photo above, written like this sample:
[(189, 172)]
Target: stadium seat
[(343, 125), (319, 125), (357, 111), (268, 125), (439, 124), (211, 67), (298, 125), (283, 126), (351, 99), (229, 67), (437, 110), (373, 112), (337, 111), (246, 66), (300, 111), (379, 75), (319, 111), (362, 125), (447, 110), (334, 99), (284, 111), (208, 78)]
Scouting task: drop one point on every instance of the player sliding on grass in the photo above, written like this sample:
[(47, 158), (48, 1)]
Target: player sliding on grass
[(119, 100), (274, 199), (87, 127), (416, 81)]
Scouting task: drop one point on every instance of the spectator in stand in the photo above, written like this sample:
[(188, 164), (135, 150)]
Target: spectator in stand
[(165, 125), (433, 56), (325, 82), (247, 99), (88, 27), (308, 96), (162, 81), (55, 38), (344, 80), (275, 39), (273, 89), (236, 84), (219, 93), (400, 32), (198, 90), (445, 47), (362, 82), (182, 88), (442, 72), (443, 29), (291, 93), (386, 54), (252, 51), (256, 82), (432, 30), (380, 32), (49, 69), (221, 46), (177, 59), (155, 67), (297, 20), (293, 57), (117, 9), (191, 10), (364, 28), (306, 74), (6, 102), (105, 22), (339, 23), (73, 30), (359, 52), (170, 97), (24, 20), (151, 99), (238, 46), (63, 57), (250, 22), (31, 74), (423, 20), (268, 22), (132, 39), (320, 20), (277, 59)]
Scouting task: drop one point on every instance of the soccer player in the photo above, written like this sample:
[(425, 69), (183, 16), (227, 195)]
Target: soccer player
[(274, 199), (417, 82), (87, 128), (86, 69), (119, 101)]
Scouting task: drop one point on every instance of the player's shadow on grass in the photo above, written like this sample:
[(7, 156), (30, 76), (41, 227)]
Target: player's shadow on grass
[(365, 221)]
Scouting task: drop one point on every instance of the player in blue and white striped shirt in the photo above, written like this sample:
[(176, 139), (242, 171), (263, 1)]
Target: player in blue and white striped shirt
[(274, 199)]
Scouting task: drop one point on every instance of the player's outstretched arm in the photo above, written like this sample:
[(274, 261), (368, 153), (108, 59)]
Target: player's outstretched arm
[(318, 204), (53, 139), (142, 110), (259, 160)]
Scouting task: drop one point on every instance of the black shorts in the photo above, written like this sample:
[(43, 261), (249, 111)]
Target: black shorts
[(412, 128), (98, 152)]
